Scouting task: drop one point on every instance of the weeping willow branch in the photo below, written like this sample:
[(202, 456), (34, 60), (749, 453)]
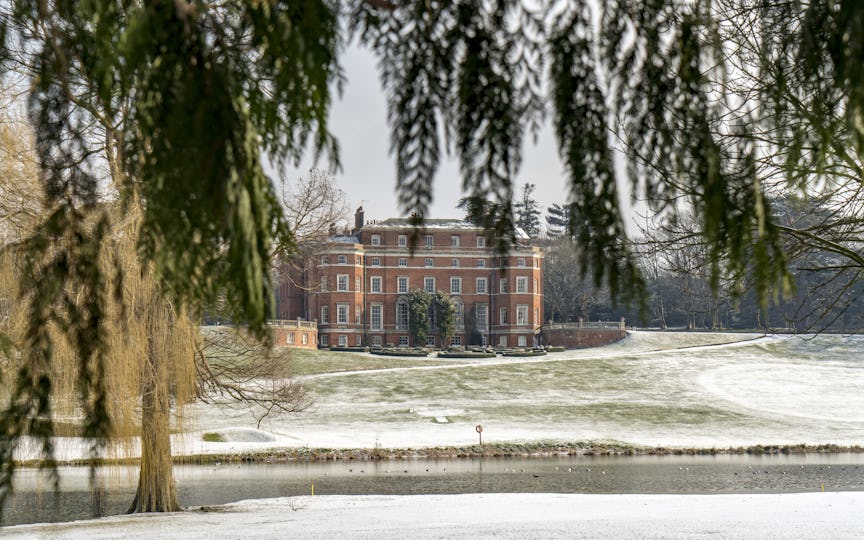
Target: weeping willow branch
[(236, 367)]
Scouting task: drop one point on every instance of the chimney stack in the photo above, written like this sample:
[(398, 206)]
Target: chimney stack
[(358, 219)]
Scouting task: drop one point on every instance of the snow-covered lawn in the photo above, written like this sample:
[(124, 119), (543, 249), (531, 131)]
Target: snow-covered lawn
[(656, 389), (693, 390), (501, 516)]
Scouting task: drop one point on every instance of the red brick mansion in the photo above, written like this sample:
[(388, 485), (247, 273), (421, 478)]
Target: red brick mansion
[(356, 285)]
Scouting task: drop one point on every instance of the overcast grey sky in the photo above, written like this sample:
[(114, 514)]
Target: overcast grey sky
[(368, 175)]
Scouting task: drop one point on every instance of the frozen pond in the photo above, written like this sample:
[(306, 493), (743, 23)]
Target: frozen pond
[(210, 485), (658, 389)]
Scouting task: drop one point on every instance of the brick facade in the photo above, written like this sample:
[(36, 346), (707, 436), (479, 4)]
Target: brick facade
[(358, 283), (299, 334)]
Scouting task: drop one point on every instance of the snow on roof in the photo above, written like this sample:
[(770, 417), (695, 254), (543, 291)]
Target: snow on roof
[(345, 239), (520, 234), (405, 223), (428, 224)]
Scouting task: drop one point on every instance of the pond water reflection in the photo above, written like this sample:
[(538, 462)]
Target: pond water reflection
[(200, 485)]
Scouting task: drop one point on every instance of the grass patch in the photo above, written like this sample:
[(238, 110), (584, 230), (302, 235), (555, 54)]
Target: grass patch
[(312, 362), (213, 437), (497, 449), (227, 346), (224, 347), (503, 449)]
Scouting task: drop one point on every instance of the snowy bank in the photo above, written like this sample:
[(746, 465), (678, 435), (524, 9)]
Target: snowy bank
[(652, 390), (516, 516)]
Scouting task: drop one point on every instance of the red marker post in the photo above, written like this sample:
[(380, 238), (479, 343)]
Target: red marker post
[(479, 430)]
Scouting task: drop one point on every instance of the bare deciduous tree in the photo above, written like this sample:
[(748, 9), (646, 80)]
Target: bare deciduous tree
[(312, 205), (236, 367), (567, 294), (19, 207)]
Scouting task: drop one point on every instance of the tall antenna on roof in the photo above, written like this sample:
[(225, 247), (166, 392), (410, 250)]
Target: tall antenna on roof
[(362, 202)]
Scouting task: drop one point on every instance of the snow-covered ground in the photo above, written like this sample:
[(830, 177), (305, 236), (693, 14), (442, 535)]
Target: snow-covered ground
[(691, 390), (501, 516), (657, 389)]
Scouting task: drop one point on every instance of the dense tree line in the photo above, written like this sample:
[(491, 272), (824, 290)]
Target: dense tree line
[(826, 293), (821, 236)]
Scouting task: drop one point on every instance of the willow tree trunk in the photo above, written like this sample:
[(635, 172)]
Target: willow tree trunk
[(157, 490)]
